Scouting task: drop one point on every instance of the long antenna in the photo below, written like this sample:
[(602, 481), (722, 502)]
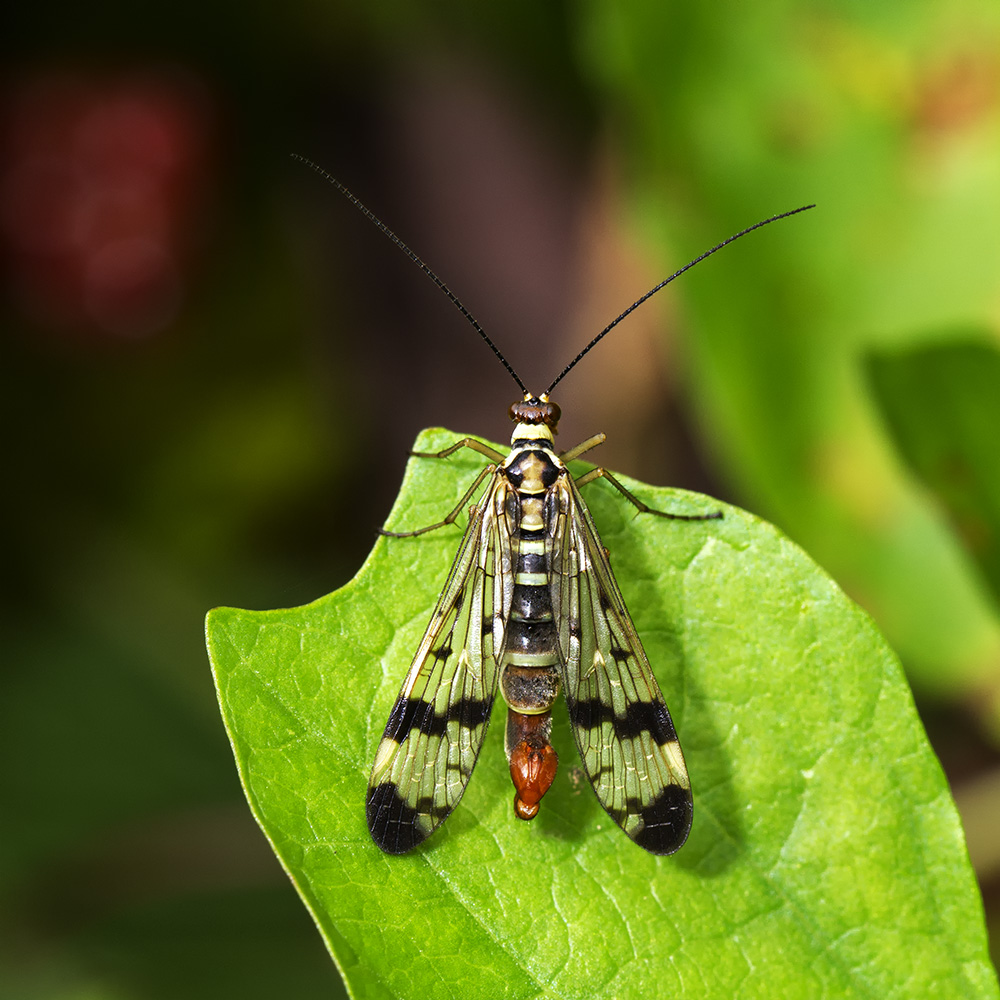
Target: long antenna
[(662, 284), (423, 267)]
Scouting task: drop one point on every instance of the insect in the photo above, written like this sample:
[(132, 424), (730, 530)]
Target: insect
[(531, 607)]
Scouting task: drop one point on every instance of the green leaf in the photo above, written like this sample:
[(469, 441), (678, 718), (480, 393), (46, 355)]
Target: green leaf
[(826, 857), (942, 404)]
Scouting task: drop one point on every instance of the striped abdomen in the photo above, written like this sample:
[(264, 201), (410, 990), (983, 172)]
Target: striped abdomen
[(530, 662)]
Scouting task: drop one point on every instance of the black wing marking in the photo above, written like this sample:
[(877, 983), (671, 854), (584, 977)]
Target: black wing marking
[(623, 730), (437, 725)]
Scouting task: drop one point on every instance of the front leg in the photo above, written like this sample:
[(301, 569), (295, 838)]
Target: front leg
[(589, 477), (450, 519), (484, 449), (583, 446)]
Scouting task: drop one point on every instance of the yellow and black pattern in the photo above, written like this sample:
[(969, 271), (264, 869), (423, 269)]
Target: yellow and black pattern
[(531, 605), (622, 728), (437, 725)]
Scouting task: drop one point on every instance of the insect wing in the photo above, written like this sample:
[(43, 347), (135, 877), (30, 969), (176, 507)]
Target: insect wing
[(622, 728), (437, 725)]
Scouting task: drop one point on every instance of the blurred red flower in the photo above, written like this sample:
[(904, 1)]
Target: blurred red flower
[(99, 197)]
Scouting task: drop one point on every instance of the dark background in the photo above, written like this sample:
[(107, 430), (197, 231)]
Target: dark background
[(213, 367)]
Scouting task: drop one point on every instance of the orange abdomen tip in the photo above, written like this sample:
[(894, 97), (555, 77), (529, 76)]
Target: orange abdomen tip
[(532, 770)]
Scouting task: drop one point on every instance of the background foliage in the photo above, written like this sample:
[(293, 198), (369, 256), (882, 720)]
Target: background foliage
[(210, 360)]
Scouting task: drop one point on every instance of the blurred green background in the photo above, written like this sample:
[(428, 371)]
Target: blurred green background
[(213, 367)]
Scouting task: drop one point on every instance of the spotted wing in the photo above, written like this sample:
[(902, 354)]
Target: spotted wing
[(437, 725), (621, 724)]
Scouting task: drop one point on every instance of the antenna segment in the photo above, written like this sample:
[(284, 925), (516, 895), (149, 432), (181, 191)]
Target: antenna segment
[(416, 260), (465, 312), (663, 284)]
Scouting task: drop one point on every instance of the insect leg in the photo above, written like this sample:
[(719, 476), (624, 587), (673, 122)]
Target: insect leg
[(583, 446), (483, 449), (589, 477), (450, 519)]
